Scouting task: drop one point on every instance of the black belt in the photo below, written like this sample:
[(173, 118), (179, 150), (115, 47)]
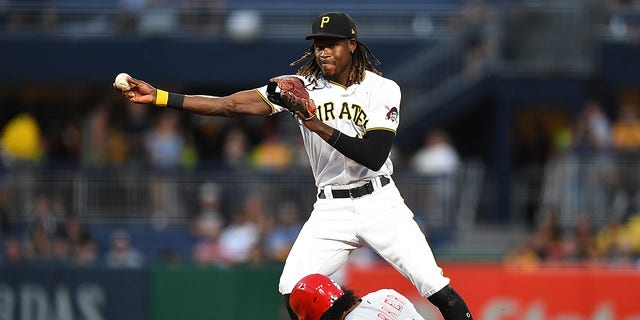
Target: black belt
[(356, 192)]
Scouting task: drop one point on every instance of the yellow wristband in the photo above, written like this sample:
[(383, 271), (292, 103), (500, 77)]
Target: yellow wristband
[(161, 98)]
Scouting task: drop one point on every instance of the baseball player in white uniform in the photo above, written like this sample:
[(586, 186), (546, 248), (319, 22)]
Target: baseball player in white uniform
[(318, 297), (348, 140)]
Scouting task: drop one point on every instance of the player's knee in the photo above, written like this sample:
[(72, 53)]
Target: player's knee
[(446, 297), (450, 304)]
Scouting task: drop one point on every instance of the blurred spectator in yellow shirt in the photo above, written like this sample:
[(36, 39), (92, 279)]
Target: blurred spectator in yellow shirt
[(273, 153), (21, 140), (626, 130)]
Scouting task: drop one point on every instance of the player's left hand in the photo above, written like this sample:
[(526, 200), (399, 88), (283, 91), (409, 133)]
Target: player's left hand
[(138, 92), (293, 96)]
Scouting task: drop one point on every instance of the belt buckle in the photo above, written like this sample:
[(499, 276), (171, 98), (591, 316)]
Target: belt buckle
[(361, 191)]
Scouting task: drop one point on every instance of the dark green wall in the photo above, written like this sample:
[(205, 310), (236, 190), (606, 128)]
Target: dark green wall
[(205, 294)]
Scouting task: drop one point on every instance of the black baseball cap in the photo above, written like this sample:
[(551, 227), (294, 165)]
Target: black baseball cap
[(333, 24)]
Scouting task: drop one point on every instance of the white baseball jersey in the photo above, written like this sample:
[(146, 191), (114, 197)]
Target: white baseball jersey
[(379, 219), (384, 304), (372, 104)]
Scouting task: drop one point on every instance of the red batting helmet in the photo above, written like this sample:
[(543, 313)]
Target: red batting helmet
[(313, 295)]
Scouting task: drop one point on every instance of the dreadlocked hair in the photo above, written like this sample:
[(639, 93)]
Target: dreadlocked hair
[(341, 305), (361, 62)]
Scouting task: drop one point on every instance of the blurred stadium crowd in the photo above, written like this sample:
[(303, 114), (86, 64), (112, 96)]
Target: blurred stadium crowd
[(252, 234), (594, 160), (119, 136)]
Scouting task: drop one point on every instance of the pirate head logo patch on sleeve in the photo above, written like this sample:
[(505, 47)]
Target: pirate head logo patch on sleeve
[(392, 114)]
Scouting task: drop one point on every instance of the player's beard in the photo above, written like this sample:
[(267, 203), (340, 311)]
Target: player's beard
[(328, 70), (331, 72)]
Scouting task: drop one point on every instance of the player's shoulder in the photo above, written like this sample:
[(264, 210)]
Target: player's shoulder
[(385, 292), (390, 295), (381, 294), (374, 77), (377, 80)]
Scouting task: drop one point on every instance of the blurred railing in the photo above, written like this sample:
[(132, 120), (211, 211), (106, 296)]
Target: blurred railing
[(112, 196), (602, 187)]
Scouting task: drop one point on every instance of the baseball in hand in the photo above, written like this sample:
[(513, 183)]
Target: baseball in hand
[(121, 81)]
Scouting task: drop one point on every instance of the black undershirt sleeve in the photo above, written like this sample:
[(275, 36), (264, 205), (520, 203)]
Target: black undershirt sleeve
[(371, 151)]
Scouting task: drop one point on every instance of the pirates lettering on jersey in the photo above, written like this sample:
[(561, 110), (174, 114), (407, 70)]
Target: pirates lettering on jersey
[(352, 112)]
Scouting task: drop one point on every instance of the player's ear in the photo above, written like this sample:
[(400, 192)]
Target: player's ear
[(353, 44)]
